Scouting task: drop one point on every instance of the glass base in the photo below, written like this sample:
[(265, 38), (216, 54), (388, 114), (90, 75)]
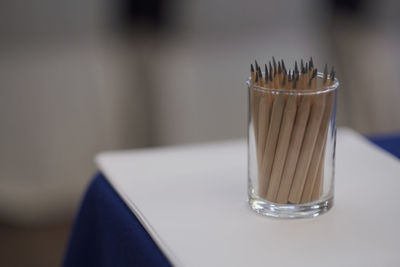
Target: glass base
[(290, 211)]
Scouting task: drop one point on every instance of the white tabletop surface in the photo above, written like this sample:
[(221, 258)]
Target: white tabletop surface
[(192, 201)]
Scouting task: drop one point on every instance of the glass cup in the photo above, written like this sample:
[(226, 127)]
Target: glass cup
[(291, 150)]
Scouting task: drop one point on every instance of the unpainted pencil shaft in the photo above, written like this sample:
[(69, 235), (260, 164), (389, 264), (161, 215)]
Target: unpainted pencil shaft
[(261, 80), (263, 133), (318, 149), (276, 81), (255, 98), (315, 177), (263, 123), (255, 107), (307, 148), (313, 173), (285, 132), (270, 145), (294, 149)]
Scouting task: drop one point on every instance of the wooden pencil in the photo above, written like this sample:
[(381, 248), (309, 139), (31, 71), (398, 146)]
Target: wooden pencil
[(307, 148), (294, 148), (285, 132), (318, 188), (263, 121), (317, 158), (319, 183), (270, 145)]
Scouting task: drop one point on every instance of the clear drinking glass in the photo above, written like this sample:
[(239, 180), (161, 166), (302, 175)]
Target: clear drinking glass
[(291, 150)]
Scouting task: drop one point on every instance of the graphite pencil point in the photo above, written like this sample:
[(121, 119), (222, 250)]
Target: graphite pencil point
[(283, 65), (314, 73), (333, 75), (302, 66)]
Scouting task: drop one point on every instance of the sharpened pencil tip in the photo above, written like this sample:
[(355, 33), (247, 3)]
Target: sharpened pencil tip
[(274, 64), (314, 73), (325, 77), (302, 74), (333, 75)]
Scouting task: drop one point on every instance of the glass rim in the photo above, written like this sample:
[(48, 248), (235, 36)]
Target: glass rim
[(320, 75)]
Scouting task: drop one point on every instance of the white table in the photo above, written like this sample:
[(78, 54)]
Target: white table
[(192, 201)]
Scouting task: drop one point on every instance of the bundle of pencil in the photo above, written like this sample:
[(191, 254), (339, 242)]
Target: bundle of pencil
[(291, 127)]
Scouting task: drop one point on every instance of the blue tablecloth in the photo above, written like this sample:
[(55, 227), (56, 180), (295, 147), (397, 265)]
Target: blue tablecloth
[(391, 143), (106, 233)]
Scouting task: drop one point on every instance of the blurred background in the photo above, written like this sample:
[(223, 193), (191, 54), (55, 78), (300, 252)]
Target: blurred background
[(80, 77)]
